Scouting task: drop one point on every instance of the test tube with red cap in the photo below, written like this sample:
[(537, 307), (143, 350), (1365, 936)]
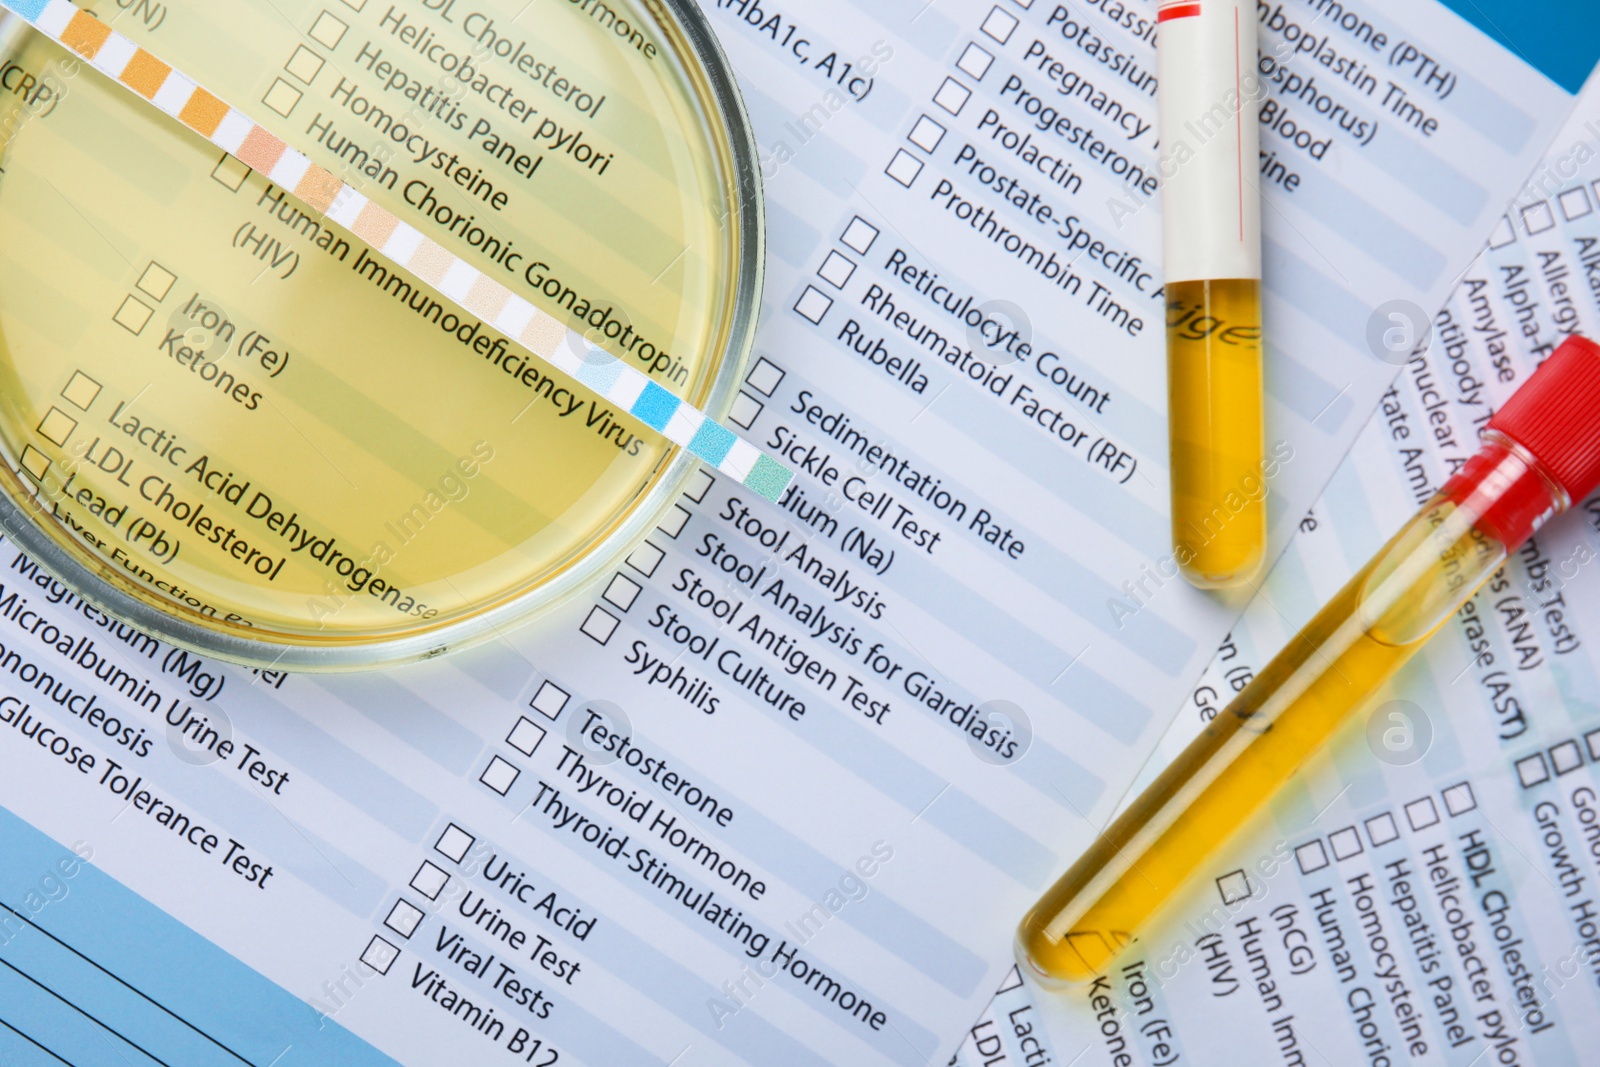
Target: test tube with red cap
[(1540, 453)]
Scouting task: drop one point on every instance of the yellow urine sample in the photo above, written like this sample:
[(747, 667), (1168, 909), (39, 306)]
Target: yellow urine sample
[(1111, 895), (1219, 524), (218, 405)]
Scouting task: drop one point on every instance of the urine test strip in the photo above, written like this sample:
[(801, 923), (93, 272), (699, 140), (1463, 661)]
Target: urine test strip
[(458, 281)]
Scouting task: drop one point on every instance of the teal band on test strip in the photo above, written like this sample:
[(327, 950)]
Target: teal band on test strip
[(181, 98)]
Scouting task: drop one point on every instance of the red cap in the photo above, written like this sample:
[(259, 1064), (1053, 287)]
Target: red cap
[(1556, 416)]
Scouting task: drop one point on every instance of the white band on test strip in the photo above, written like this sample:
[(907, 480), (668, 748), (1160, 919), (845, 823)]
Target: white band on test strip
[(455, 279)]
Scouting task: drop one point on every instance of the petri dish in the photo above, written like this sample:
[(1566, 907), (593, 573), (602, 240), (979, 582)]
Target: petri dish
[(226, 422)]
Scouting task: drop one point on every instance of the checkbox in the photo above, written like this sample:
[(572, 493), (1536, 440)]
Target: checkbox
[(82, 390), (1422, 814), (1538, 218), (1592, 741), (744, 411), (550, 700), (1234, 887), (380, 955), (1458, 799), (404, 918), (600, 624), (282, 97), (230, 173), (328, 31), (355, 5), (1345, 843), (1504, 233), (675, 521), (430, 880), (952, 96), (926, 134), (975, 61), (133, 314), (836, 271), (813, 305), (1000, 25), (622, 592), (156, 281), (1575, 203), (904, 168), (859, 235), (500, 775), (699, 485), (1381, 830), (34, 462), (646, 558), (766, 376), (1532, 771), (1311, 856), (526, 736), (1566, 757), (57, 426), (304, 64), (454, 843)]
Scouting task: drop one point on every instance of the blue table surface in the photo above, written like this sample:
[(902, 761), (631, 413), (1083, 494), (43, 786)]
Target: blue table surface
[(1561, 38)]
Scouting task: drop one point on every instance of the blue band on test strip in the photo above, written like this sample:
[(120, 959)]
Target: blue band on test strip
[(655, 407), (712, 443), (600, 376)]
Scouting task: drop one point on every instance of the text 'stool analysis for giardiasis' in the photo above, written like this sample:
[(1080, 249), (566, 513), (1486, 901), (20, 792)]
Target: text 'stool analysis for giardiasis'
[(778, 789)]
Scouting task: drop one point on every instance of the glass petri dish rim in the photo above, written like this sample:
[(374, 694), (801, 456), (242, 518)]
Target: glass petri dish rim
[(712, 76)]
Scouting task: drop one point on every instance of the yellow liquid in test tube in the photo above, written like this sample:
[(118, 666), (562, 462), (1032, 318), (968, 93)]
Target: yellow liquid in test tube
[(1244, 756), (1211, 229), (1219, 514)]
